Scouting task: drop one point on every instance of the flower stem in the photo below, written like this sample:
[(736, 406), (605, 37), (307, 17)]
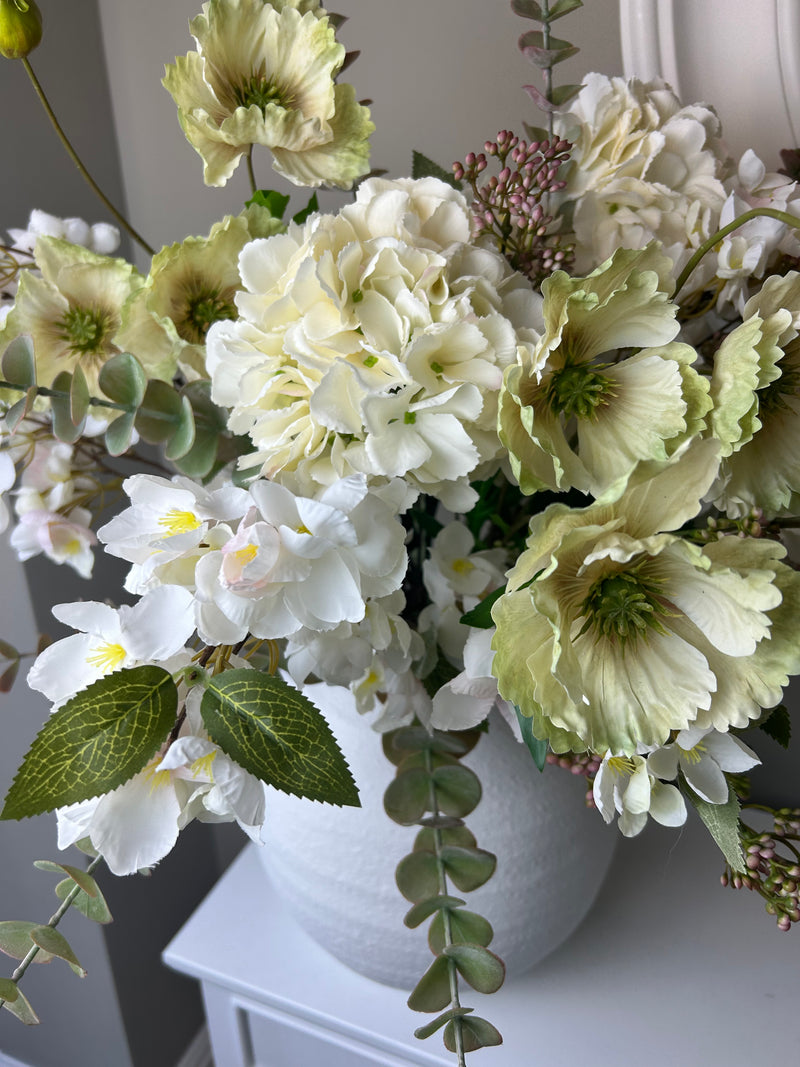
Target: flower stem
[(53, 922), (251, 173), (78, 162), (756, 212)]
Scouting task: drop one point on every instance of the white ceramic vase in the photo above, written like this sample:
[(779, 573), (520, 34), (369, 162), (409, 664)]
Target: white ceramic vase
[(334, 867)]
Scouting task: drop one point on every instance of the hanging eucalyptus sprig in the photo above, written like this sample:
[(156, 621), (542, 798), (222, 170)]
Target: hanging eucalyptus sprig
[(546, 51), (433, 790)]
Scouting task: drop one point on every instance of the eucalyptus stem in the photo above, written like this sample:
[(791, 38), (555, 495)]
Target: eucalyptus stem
[(548, 70), (452, 973), (754, 213), (53, 922), (78, 162)]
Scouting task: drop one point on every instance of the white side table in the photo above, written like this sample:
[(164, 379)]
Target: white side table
[(668, 969)]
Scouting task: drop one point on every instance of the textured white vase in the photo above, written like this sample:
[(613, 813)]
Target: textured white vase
[(741, 57), (334, 867)]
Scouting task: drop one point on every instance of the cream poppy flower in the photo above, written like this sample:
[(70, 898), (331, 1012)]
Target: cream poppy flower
[(577, 413), (612, 634), (263, 73)]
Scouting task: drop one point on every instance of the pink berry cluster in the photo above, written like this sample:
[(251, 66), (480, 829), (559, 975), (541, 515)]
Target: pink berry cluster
[(512, 206), (772, 866), (583, 763)]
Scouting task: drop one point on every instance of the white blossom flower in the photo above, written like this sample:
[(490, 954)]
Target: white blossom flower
[(109, 639), (62, 538), (8, 475), (624, 787), (100, 237), (702, 756), (469, 698)]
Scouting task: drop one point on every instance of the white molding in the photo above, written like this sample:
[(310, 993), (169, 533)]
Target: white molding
[(9, 1061), (787, 31), (197, 1054), (647, 33)]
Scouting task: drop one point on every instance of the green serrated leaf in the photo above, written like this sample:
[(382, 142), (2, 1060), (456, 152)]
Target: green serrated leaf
[(477, 965), (15, 940), (84, 880), (481, 615), (422, 911), (417, 876), (476, 1033), (432, 992), (78, 396), (460, 835), (8, 990), (19, 362), (21, 1007), (536, 747), (54, 942), (120, 434), (63, 426), (277, 734), (722, 822), (408, 796), (778, 725), (422, 167), (309, 209), (430, 1028), (92, 907), (275, 203), (458, 790), (122, 379), (97, 741), (466, 928), (468, 868), (160, 413), (183, 436)]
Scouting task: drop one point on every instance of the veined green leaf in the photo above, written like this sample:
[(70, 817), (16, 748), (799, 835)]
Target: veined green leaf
[(778, 725), (422, 167), (309, 209), (722, 822), (277, 734), (275, 203), (481, 615), (95, 742)]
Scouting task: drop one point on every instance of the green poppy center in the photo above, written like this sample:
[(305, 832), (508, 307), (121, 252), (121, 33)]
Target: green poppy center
[(201, 310), (577, 389), (85, 329), (775, 397), (259, 90), (624, 605)]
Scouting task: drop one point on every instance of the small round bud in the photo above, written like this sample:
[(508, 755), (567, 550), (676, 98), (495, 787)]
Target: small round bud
[(20, 28)]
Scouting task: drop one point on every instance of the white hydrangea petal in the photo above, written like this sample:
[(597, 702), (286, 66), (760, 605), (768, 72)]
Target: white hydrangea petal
[(136, 825)]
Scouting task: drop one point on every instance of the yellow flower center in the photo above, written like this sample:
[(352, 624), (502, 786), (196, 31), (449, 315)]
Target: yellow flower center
[(106, 656), (246, 554), (622, 766), (203, 764), (176, 521), (303, 529), (463, 566), (693, 755)]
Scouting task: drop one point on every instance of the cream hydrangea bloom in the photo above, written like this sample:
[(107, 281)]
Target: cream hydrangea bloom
[(263, 73), (373, 341), (612, 634), (578, 412), (755, 389)]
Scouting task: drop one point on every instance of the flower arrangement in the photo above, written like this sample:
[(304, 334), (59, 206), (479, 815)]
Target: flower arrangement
[(521, 437)]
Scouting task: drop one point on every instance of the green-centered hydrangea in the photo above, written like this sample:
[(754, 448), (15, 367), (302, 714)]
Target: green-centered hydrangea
[(755, 389), (607, 387), (615, 631), (264, 74)]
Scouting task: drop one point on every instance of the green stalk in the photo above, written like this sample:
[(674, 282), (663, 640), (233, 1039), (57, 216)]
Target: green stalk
[(79, 163), (53, 921), (251, 173), (756, 212)]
